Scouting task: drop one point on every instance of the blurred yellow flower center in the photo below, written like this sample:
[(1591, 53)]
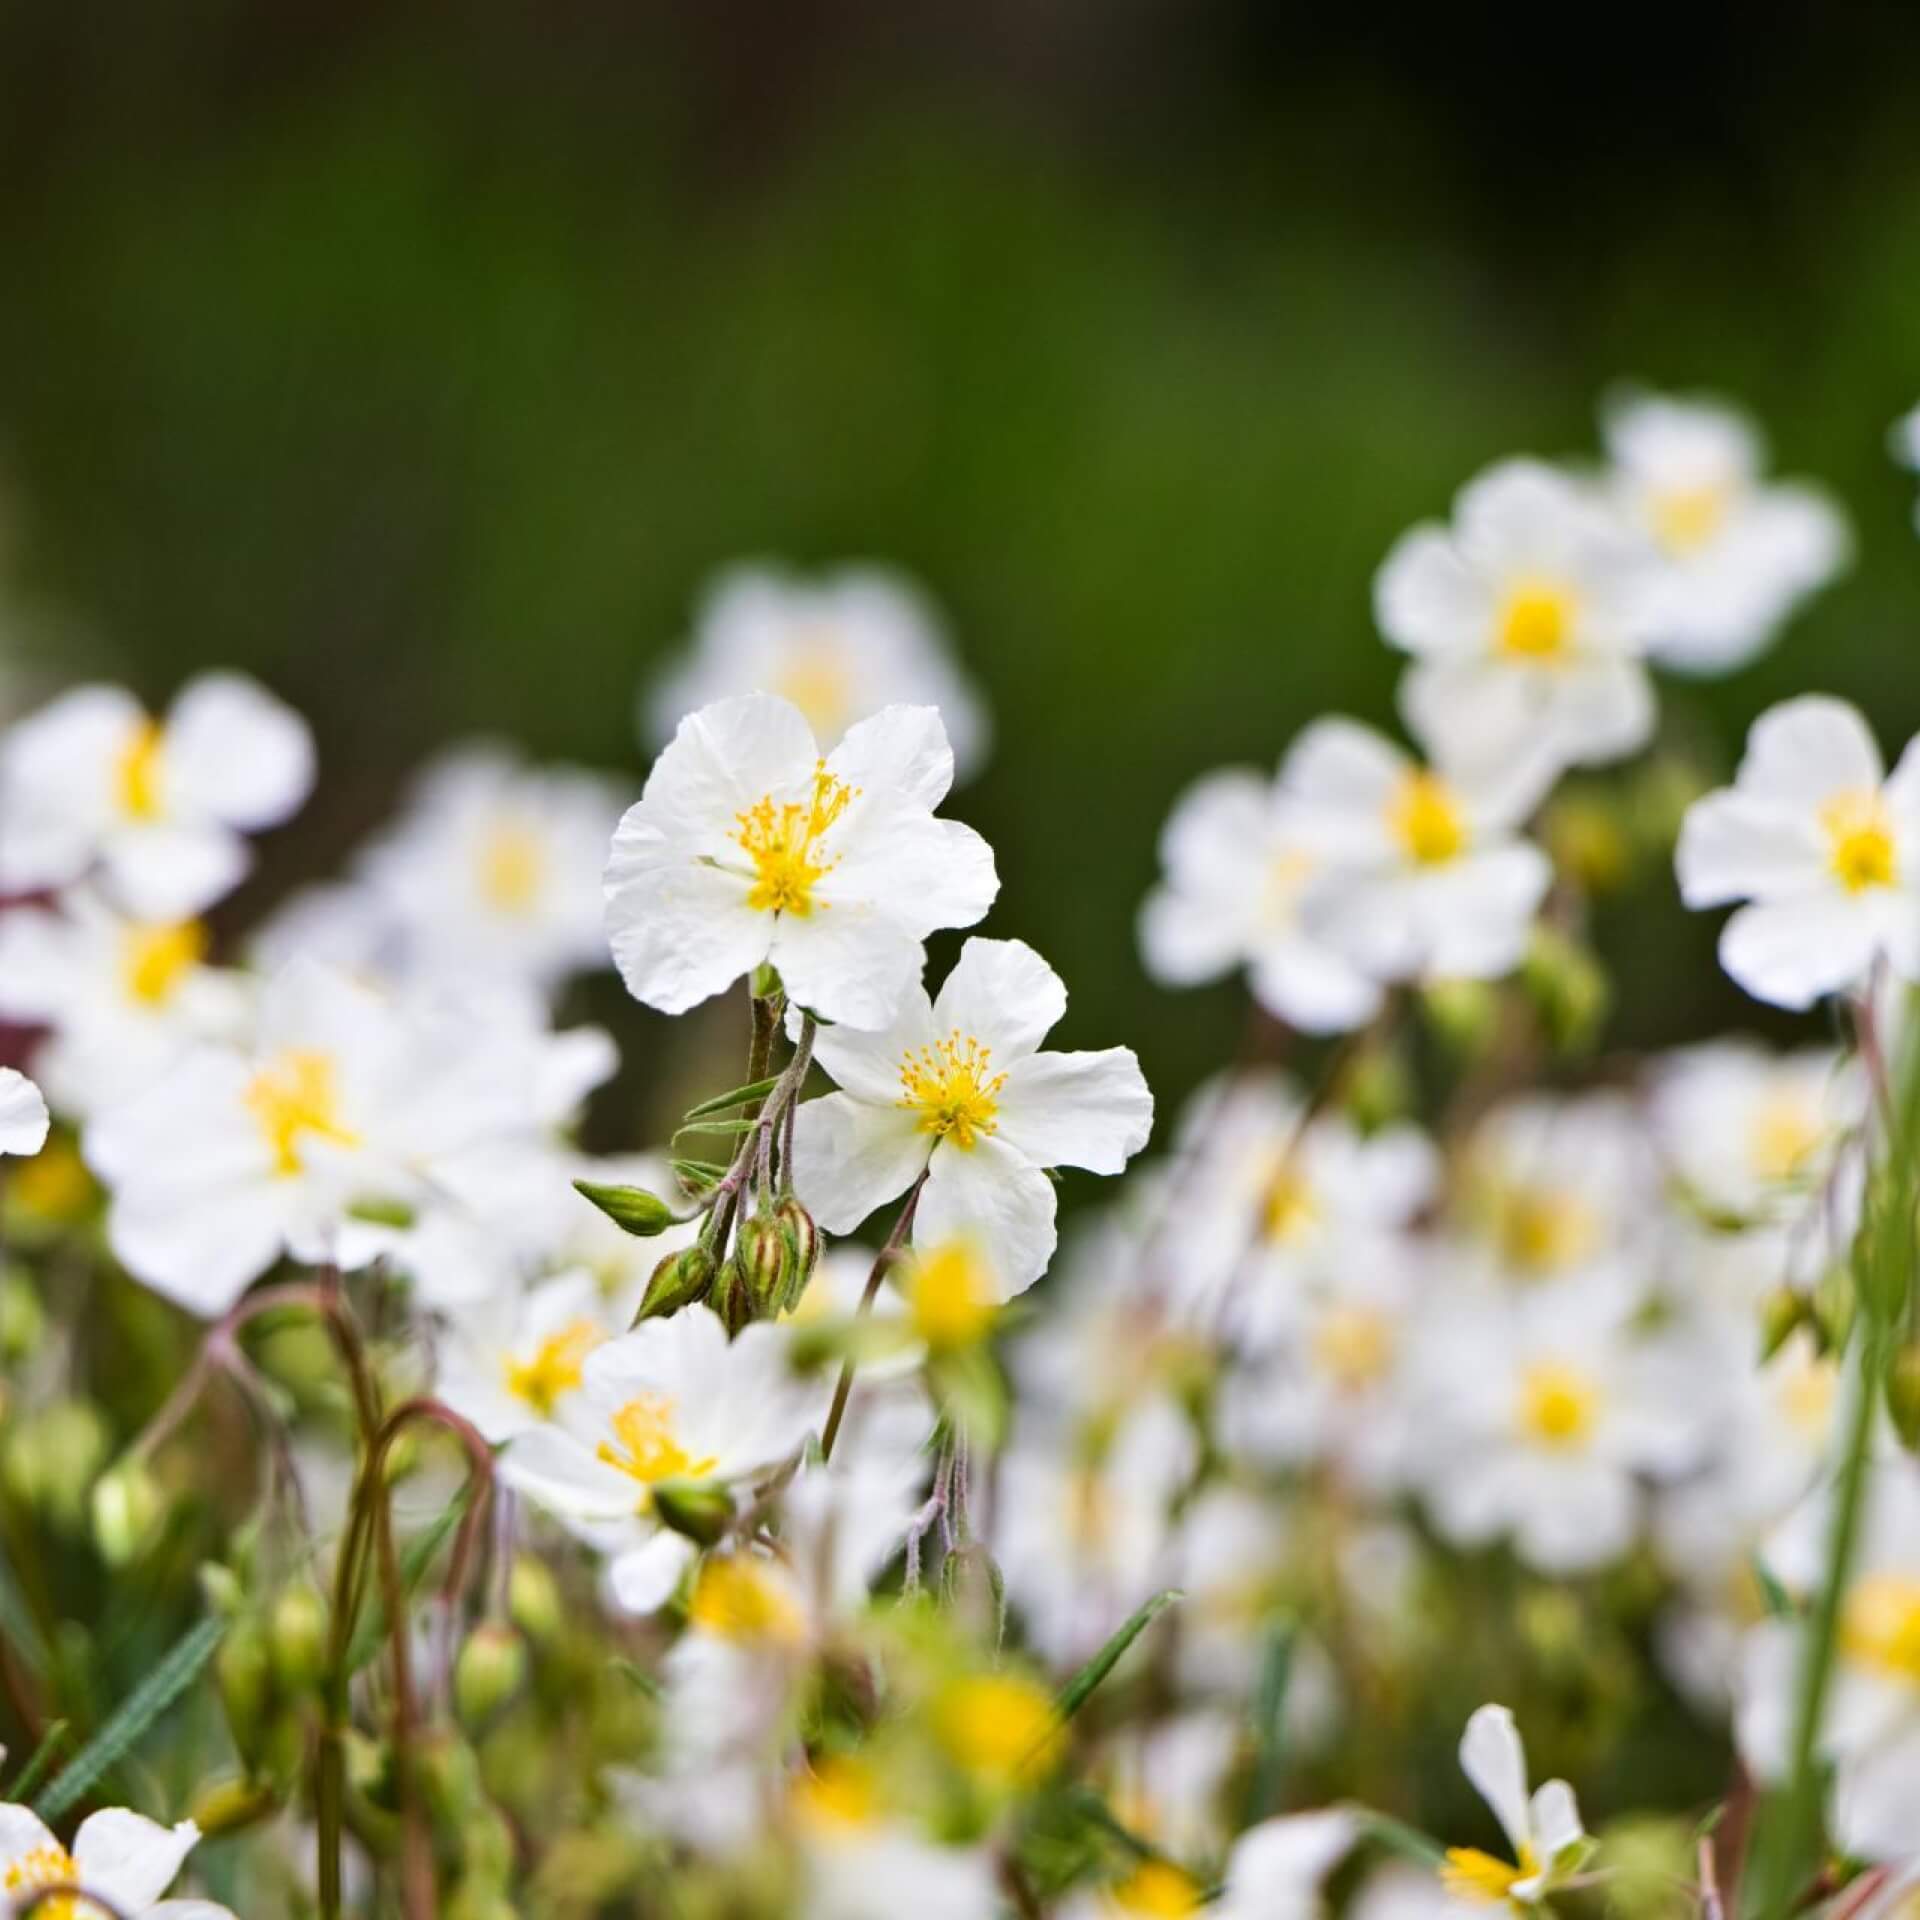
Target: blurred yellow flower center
[(999, 1726), (154, 959), (953, 1087), (1536, 622), (1156, 1887), (1287, 873), (737, 1600), (1882, 1625), (815, 678), (782, 842), (1544, 1230), (839, 1792), (54, 1185), (513, 868), (1426, 819), (950, 1296), (50, 1866), (1354, 1346), (1558, 1405), (1685, 519), (1785, 1137), (1807, 1389), (1470, 1874), (137, 775), (297, 1097), (554, 1366), (1089, 1508), (644, 1447), (1859, 841), (1289, 1212)]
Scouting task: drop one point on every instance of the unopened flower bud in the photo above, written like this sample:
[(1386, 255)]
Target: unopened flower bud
[(23, 1321), (127, 1510), (230, 1803), (698, 1511), (1587, 838), (732, 1298), (491, 1669), (1782, 1314), (798, 1225), (297, 1638), (765, 1255), (533, 1600), (478, 1898), (449, 1776), (1832, 1308), (221, 1588), (1569, 988), (50, 1459), (1903, 1394), (243, 1671), (1464, 1013), (632, 1209), (680, 1280)]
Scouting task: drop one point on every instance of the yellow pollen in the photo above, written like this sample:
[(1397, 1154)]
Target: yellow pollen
[(954, 1089), (49, 1867), (1089, 1509), (1472, 1875), (1558, 1405), (554, 1367), (1685, 519), (1881, 1627), (1354, 1346), (1859, 841), (1784, 1138), (137, 775), (1156, 1887), (999, 1726), (814, 677), (1536, 622), (735, 1600), (1807, 1389), (1544, 1230), (54, 1186), (1426, 819), (1289, 1211), (950, 1296), (513, 868), (840, 1791), (154, 959), (782, 842), (643, 1446), (295, 1097)]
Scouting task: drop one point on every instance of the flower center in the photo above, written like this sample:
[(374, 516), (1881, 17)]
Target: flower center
[(1859, 841), (950, 1296), (1544, 1230), (815, 678), (840, 1791), (999, 1726), (1558, 1405), (1288, 1212), (735, 1600), (1354, 1346), (1685, 519), (953, 1088), (49, 1867), (781, 841), (155, 959), (1426, 819), (644, 1447), (54, 1185), (137, 775), (1784, 1138), (295, 1097), (1470, 1874), (1882, 1625), (1156, 1887), (1806, 1395), (554, 1366), (513, 868), (1536, 622)]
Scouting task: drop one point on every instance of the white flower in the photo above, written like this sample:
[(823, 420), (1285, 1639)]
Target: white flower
[(158, 806), (1903, 442), (673, 1400), (957, 1088), (1527, 620), (1824, 847), (495, 868), (123, 1857), (1275, 1869), (1423, 875), (1237, 873), (748, 847), (510, 1363), (839, 648), (1549, 1844), (123, 999), (238, 1155), (23, 1114), (1737, 554), (874, 1868)]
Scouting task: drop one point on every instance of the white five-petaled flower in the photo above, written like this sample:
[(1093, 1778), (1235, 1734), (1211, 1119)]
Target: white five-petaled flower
[(1424, 873), (1527, 620), (749, 847), (1736, 552), (1237, 874), (23, 1114), (122, 1857), (957, 1088), (159, 806), (1822, 844), (1549, 1844), (839, 647)]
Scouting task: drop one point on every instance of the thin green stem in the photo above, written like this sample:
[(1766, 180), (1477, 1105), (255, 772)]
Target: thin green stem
[(886, 1257)]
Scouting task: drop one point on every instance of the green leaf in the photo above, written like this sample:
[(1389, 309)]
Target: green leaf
[(416, 1558), (739, 1097), (638, 1675), (1774, 1597), (1074, 1695), (1267, 1710), (38, 1762), (141, 1708), (732, 1127), (17, 1623), (1397, 1837)]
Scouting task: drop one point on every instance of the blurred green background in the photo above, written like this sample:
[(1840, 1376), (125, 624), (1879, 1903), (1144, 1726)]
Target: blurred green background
[(425, 360)]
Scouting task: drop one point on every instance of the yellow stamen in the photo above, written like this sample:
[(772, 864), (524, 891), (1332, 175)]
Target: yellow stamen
[(734, 1599), (1784, 1138), (1158, 1888), (999, 1726), (815, 678), (295, 1097), (1807, 1388), (840, 1791), (644, 1447), (950, 1296), (1290, 1212), (513, 868), (54, 1185), (1354, 1346), (954, 1089), (554, 1367), (1544, 1230), (781, 841), (1472, 1875), (50, 1866), (1558, 1405), (1859, 841), (1426, 819), (1881, 1626), (1536, 622), (154, 959), (137, 776), (1685, 519)]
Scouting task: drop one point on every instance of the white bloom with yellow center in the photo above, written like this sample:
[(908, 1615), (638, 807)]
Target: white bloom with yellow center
[(839, 647), (122, 999), (1424, 873), (672, 1401), (1276, 1869), (1527, 620), (123, 1857), (1543, 1827), (1237, 875), (511, 1362), (159, 807), (957, 1088), (748, 847), (1737, 553), (1822, 844), (24, 1120)]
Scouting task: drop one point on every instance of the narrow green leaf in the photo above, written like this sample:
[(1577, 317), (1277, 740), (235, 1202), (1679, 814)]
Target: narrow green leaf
[(732, 1127), (18, 1624), (38, 1763), (1397, 1837), (639, 1676), (141, 1708), (737, 1098), (1268, 1711), (1074, 1695), (416, 1558), (1774, 1597)]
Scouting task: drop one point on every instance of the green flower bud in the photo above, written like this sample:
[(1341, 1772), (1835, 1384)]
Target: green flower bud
[(680, 1280), (51, 1458), (232, 1802), (799, 1227), (533, 1600), (478, 1898), (1569, 988), (632, 1209), (222, 1588), (243, 1671), (1833, 1307), (699, 1511), (1903, 1395), (1782, 1314), (297, 1639), (766, 1258), (127, 1510), (23, 1321), (449, 1777), (491, 1669), (1463, 1013), (732, 1296)]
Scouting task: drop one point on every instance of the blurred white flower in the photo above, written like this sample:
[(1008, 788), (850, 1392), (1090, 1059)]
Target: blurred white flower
[(1527, 619), (956, 1088), (1549, 1844), (159, 807), (23, 1114), (748, 847), (1824, 847), (1275, 1869), (839, 647), (123, 1857), (512, 1361), (862, 1861), (1738, 553), (1903, 441)]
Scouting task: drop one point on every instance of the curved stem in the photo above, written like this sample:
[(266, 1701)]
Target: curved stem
[(887, 1256)]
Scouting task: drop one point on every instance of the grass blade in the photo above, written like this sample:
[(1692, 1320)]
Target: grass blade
[(1074, 1695), (38, 1763), (1267, 1710), (415, 1559)]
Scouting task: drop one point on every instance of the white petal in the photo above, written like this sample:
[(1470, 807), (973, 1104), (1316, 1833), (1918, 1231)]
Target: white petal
[(173, 872), (1002, 994), (920, 872), (642, 1579), (720, 762), (23, 1114), (681, 934), (129, 1858), (867, 1064), (1804, 751), (1185, 941), (851, 1156), (235, 753), (1309, 986), (1876, 1800), (1735, 848), (199, 1247), (1341, 764), (1492, 1757), (847, 963), (1790, 952), (22, 1831), (189, 1910), (58, 774), (1089, 1110), (1281, 1859), (899, 751), (996, 1197), (1427, 600), (1556, 1821)]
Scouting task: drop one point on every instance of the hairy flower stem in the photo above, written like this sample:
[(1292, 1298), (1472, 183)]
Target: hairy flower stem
[(755, 1148), (886, 1257)]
